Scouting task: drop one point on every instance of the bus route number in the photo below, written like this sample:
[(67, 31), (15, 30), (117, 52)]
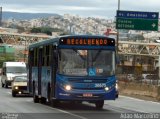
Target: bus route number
[(100, 85)]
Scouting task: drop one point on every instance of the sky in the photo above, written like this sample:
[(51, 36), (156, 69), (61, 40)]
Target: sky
[(84, 8)]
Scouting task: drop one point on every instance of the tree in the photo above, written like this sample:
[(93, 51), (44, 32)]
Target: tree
[(36, 30), (46, 30), (5, 58)]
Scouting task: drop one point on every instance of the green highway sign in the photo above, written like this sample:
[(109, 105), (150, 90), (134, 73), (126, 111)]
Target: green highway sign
[(137, 24), (135, 20)]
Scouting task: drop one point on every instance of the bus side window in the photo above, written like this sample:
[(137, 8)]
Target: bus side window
[(43, 56), (31, 58), (35, 57), (47, 55)]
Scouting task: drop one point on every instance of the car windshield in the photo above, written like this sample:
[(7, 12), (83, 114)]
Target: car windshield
[(16, 69), (20, 79), (86, 62)]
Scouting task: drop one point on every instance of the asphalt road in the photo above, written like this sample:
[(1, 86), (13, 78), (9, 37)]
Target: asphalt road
[(23, 107)]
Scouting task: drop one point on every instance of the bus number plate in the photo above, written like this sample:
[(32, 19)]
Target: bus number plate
[(87, 95)]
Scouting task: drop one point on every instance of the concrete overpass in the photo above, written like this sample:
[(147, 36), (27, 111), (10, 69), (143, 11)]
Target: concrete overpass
[(125, 47), (139, 48), (21, 40)]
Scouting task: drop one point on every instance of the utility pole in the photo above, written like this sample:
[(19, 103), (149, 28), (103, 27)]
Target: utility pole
[(0, 16), (117, 41), (117, 29)]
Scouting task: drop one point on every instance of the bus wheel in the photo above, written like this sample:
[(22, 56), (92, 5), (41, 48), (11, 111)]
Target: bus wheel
[(99, 104), (43, 100), (55, 103), (49, 96), (35, 98)]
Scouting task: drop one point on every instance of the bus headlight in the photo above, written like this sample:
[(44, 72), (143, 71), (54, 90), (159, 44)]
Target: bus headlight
[(16, 87), (106, 88), (68, 87)]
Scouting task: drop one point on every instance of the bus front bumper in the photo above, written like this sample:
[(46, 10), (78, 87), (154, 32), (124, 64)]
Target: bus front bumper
[(85, 95)]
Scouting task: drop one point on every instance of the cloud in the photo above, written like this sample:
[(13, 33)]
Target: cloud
[(141, 5), (52, 2), (106, 8)]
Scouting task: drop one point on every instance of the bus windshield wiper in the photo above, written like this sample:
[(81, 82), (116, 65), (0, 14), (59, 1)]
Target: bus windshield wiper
[(96, 56), (79, 54)]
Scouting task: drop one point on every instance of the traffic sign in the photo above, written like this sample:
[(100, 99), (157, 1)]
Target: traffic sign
[(137, 24), (135, 14), (137, 20)]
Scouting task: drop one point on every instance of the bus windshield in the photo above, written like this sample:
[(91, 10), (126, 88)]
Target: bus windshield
[(75, 62)]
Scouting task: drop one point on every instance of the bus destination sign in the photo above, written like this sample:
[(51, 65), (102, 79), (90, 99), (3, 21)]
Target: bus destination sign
[(87, 41)]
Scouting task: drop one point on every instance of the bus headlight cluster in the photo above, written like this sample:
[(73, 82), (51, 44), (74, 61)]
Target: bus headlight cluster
[(68, 87), (110, 87), (106, 88)]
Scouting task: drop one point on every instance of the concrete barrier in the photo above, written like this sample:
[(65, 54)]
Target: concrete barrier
[(132, 88), (158, 97)]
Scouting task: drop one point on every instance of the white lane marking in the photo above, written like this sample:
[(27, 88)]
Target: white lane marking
[(140, 99), (75, 115)]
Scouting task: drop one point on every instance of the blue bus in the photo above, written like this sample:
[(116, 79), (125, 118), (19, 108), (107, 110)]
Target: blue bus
[(73, 68)]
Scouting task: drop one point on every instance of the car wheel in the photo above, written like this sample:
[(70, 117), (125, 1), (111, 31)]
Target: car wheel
[(13, 94), (6, 86), (2, 85)]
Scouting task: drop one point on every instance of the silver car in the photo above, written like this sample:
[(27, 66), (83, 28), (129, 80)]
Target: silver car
[(19, 85)]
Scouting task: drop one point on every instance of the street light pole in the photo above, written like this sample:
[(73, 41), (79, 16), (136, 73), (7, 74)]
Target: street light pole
[(0, 16), (117, 29), (117, 42), (118, 4)]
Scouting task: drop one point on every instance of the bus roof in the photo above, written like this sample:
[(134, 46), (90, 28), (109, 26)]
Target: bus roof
[(56, 40)]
